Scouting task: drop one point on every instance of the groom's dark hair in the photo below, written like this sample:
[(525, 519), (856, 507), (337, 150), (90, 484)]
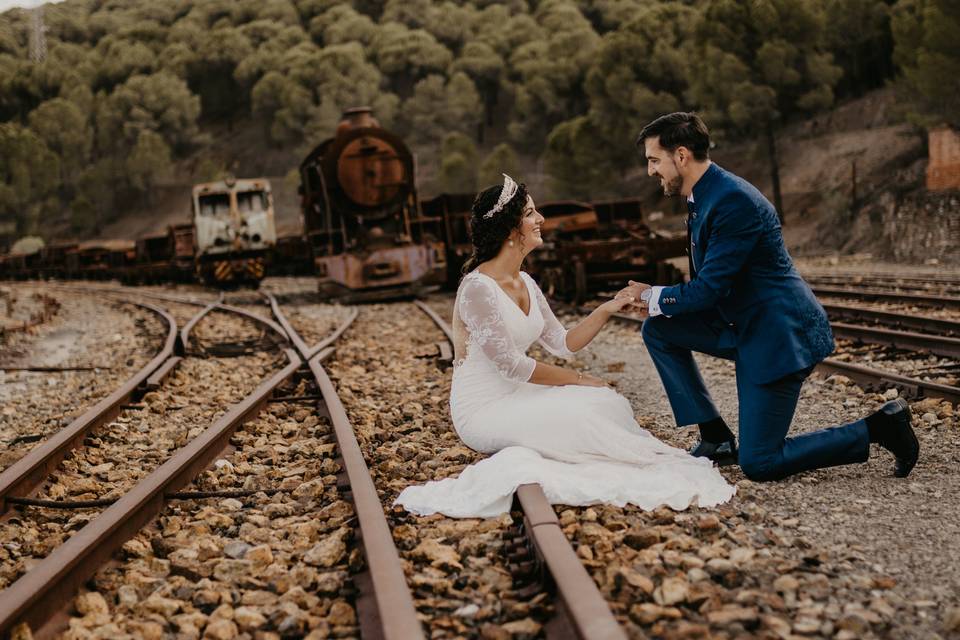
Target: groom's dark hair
[(679, 129)]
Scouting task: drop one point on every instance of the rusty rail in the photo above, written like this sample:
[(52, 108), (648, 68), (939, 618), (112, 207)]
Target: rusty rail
[(912, 387), (587, 615), (908, 340), (55, 579), (905, 321), (952, 302), (888, 281), (30, 470), (384, 604)]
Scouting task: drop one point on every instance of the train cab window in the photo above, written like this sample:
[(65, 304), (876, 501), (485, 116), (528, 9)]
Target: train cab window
[(251, 201), (215, 204)]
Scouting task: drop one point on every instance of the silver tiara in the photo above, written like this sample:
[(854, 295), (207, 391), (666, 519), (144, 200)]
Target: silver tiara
[(509, 190)]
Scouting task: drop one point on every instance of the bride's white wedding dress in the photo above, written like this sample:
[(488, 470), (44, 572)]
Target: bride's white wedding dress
[(580, 443)]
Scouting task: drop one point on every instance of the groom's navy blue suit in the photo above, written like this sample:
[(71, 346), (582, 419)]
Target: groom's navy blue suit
[(746, 302)]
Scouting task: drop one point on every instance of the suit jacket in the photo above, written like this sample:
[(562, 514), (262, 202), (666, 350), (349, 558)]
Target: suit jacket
[(741, 269)]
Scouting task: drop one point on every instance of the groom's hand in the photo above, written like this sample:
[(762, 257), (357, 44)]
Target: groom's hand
[(633, 291)]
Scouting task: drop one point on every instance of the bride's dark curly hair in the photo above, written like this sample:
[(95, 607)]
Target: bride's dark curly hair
[(489, 234)]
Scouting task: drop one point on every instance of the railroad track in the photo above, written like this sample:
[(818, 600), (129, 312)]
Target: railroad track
[(887, 295), (53, 581), (910, 386), (944, 283), (581, 610)]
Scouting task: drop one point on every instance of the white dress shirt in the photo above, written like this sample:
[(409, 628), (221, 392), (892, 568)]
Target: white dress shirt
[(653, 307)]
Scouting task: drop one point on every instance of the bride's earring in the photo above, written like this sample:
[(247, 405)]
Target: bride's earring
[(511, 243)]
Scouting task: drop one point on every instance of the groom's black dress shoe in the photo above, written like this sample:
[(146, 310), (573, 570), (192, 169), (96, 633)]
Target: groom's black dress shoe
[(722, 453), (892, 431)]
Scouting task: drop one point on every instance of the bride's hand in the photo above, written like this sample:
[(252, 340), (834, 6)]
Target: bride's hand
[(592, 381), (617, 305)]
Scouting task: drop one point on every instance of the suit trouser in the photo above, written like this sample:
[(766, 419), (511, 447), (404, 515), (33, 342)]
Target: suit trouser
[(765, 410)]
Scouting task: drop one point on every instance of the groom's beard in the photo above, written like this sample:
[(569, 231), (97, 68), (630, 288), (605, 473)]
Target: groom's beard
[(672, 186)]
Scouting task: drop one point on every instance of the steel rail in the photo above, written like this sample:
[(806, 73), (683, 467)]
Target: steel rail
[(912, 387), (889, 296), (921, 324), (909, 340), (29, 471), (881, 277), (586, 612), (385, 605), (55, 579)]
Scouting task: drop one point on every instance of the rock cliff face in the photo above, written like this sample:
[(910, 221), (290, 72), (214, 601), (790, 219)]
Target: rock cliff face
[(923, 227)]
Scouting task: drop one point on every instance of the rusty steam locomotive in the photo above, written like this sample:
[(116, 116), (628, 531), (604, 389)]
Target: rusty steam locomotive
[(362, 219)]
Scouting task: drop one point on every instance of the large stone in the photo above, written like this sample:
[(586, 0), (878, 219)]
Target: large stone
[(854, 622), (221, 629), (166, 607), (731, 614), (786, 583), (236, 549), (671, 591), (637, 580), (341, 614), (259, 556), (248, 618), (438, 555), (641, 538), (91, 603), (648, 613), (231, 570), (327, 552)]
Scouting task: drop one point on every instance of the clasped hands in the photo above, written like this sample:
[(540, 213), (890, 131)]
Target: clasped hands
[(628, 300)]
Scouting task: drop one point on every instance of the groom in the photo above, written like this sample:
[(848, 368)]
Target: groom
[(745, 302)]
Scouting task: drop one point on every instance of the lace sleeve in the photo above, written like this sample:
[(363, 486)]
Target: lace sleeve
[(479, 309), (554, 335)]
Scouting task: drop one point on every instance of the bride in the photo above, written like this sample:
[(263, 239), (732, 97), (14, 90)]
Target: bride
[(567, 431)]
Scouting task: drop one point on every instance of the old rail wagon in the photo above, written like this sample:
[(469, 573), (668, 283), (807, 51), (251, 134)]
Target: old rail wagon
[(361, 216), (234, 229)]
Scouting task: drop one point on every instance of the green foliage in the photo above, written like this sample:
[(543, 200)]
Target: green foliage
[(458, 164), (575, 163), (161, 102), (65, 130), (550, 72), (501, 159), (29, 172), (149, 159), (858, 34), (760, 64), (640, 72), (130, 87), (927, 36), (436, 108), (411, 53)]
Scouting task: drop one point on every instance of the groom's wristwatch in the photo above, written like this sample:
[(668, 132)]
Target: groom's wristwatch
[(646, 294)]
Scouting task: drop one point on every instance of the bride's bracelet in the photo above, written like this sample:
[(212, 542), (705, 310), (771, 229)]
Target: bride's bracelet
[(579, 377)]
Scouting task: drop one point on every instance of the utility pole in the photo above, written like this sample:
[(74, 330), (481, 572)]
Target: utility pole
[(38, 38)]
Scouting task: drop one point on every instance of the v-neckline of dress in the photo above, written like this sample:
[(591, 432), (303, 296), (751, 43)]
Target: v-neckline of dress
[(526, 314)]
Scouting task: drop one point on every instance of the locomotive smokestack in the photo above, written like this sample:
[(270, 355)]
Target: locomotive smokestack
[(356, 118)]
